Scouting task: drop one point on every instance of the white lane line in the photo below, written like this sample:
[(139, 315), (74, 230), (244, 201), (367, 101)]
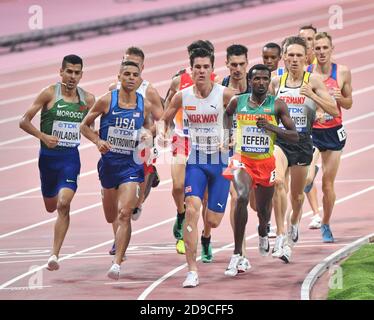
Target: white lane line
[(155, 284), (26, 288), (15, 140), (95, 205), (10, 119), (126, 282), (246, 34), (19, 164), (153, 226), (32, 226)]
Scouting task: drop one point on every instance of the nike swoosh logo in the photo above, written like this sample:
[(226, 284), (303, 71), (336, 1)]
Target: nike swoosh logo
[(69, 181), (220, 205), (215, 107), (132, 178), (115, 113), (283, 91), (61, 106)]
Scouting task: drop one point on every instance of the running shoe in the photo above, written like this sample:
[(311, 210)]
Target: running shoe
[(53, 263), (244, 265), (178, 229), (206, 253), (326, 233), (278, 246), (316, 222), (114, 271), (192, 280), (293, 234), (232, 269), (181, 249), (286, 254), (264, 246)]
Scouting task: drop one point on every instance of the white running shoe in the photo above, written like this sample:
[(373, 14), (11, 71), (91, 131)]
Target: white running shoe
[(316, 222), (293, 234), (114, 271), (286, 256), (278, 246), (53, 263), (264, 246), (244, 265), (136, 214), (192, 280), (232, 269)]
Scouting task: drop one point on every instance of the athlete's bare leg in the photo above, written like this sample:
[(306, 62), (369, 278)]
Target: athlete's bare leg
[(330, 165)]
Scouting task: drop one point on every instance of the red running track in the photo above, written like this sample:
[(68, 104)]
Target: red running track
[(26, 231)]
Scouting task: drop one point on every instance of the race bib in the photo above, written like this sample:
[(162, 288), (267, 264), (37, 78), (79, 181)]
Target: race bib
[(122, 140), (299, 117), (205, 139), (68, 133), (342, 135), (255, 140)]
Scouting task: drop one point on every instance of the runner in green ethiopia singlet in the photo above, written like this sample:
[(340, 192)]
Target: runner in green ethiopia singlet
[(253, 142), (63, 119)]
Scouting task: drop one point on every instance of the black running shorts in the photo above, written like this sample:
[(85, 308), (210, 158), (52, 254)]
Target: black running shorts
[(298, 154)]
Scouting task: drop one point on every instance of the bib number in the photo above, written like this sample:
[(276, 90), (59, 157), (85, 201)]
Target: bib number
[(68, 133), (122, 140), (342, 135)]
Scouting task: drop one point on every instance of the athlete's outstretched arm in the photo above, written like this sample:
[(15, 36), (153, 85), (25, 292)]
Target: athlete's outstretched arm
[(317, 91), (100, 107), (290, 134), (43, 99)]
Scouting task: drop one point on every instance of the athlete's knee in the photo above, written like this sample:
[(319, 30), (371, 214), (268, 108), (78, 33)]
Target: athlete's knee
[(192, 214), (111, 216), (279, 183), (50, 207), (178, 188), (327, 186), (298, 197), (63, 206), (213, 223), (124, 214)]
